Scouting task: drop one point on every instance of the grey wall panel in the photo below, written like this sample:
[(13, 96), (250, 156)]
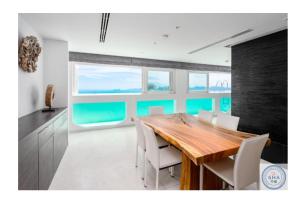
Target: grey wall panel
[(204, 67), (97, 58), (259, 88), (155, 63), (120, 60)]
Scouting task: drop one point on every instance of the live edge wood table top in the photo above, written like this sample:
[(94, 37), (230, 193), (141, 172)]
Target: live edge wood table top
[(199, 142)]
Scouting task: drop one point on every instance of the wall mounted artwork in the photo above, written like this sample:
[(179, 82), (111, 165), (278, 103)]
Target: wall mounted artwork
[(29, 52)]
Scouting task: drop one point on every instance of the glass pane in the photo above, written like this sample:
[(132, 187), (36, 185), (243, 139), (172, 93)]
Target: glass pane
[(108, 79), (197, 82), (143, 106), (219, 83), (158, 81), (225, 104), (193, 106), (94, 113)]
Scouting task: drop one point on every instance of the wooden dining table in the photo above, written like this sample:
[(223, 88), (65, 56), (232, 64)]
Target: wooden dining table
[(199, 142)]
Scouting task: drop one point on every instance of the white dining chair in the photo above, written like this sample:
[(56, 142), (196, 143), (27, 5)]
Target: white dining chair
[(159, 110), (141, 142), (206, 116), (156, 110), (227, 121), (159, 158), (244, 170)]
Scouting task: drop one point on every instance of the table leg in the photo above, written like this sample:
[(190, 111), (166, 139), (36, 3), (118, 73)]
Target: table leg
[(211, 181), (190, 177), (190, 173)]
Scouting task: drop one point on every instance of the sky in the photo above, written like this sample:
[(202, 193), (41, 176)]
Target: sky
[(108, 77), (197, 79), (160, 78)]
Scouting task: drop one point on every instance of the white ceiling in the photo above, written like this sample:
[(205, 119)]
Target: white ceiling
[(135, 34)]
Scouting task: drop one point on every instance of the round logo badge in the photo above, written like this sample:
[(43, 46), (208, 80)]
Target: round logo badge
[(273, 177)]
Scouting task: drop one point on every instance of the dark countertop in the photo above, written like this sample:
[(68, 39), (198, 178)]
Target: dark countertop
[(32, 121)]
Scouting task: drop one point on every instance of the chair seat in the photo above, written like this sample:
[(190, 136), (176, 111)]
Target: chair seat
[(161, 142), (169, 157), (222, 168)]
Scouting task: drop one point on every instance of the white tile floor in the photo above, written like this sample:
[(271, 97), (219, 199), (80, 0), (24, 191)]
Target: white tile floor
[(105, 160)]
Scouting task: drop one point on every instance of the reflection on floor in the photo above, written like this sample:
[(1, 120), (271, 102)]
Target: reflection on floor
[(105, 160)]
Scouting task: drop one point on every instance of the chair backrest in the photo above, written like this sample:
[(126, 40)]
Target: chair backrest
[(156, 110), (140, 134), (247, 161), (227, 121), (152, 149), (205, 116)]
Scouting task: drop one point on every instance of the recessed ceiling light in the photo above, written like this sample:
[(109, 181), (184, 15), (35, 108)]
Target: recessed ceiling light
[(154, 43), (165, 36)]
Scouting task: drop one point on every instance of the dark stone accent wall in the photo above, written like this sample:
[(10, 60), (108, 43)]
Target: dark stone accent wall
[(131, 61), (259, 90)]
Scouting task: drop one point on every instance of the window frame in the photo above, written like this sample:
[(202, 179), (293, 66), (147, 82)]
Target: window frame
[(74, 88), (171, 80), (144, 80), (188, 81)]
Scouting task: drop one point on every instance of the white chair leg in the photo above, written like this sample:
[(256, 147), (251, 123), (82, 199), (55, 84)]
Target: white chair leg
[(145, 173), (172, 171), (157, 176), (136, 156)]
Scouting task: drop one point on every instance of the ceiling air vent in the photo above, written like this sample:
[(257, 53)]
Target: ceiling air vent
[(219, 41), (104, 24)]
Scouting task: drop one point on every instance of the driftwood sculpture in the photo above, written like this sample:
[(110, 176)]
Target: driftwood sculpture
[(49, 98), (28, 53)]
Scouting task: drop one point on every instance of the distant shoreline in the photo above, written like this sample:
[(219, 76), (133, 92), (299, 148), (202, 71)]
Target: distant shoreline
[(139, 90)]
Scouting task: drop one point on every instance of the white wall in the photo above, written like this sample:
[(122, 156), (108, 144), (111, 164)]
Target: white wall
[(180, 95), (30, 85), (56, 58), (52, 68)]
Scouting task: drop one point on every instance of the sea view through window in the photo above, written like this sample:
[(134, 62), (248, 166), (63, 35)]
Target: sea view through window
[(107, 79)]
